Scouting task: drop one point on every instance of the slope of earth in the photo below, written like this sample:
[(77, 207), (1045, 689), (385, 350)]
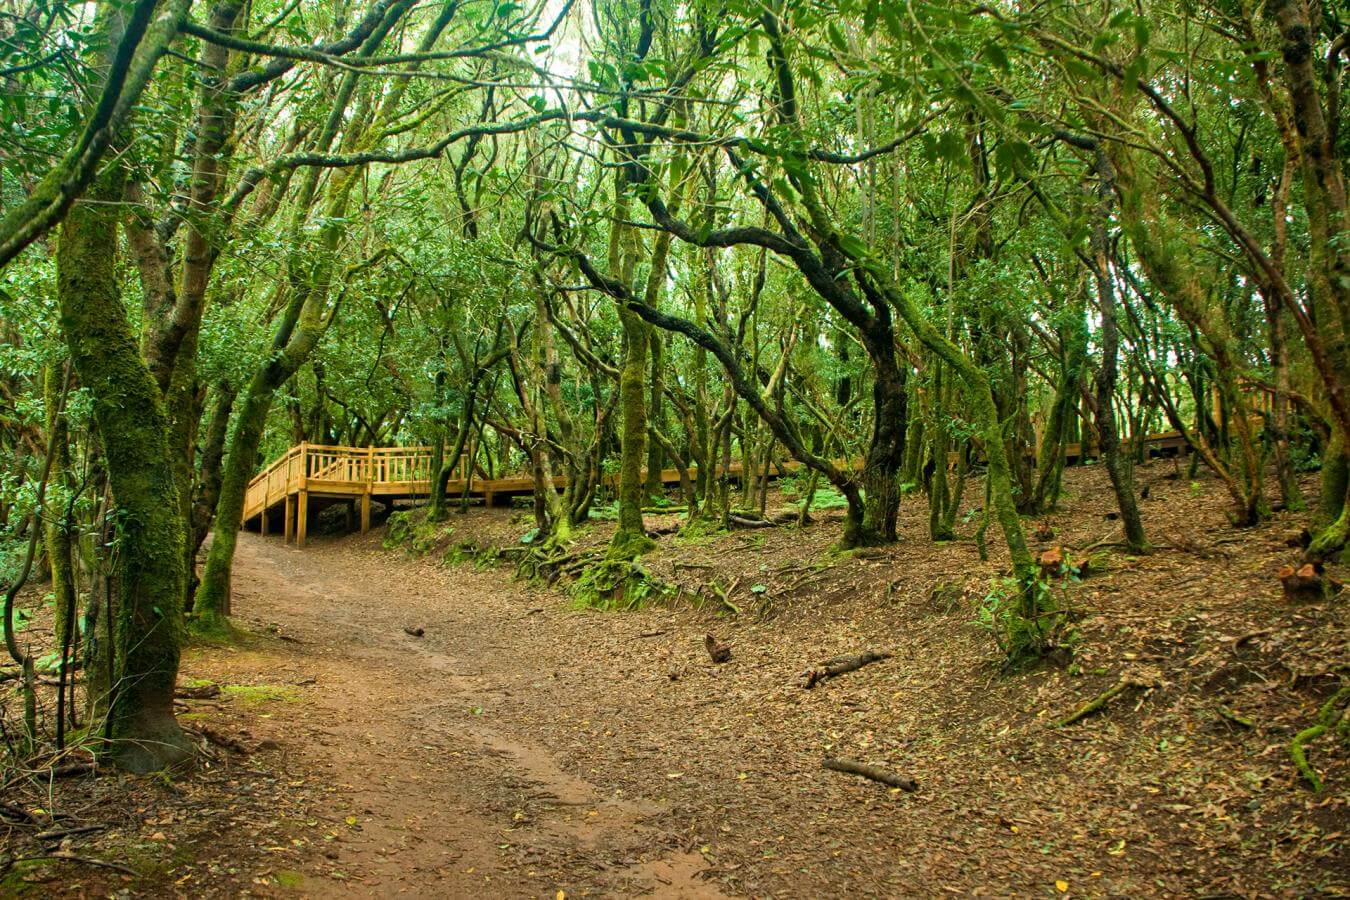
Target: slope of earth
[(524, 747)]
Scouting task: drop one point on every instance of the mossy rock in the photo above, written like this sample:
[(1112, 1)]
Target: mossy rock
[(412, 532), (618, 584)]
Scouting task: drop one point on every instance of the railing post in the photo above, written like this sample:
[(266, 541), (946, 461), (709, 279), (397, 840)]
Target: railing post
[(370, 486)]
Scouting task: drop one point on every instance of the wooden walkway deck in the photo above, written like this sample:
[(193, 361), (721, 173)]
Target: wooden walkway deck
[(309, 475), (312, 475)]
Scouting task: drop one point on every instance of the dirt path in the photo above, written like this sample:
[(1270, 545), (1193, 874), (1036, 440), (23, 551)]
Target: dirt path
[(426, 795), (523, 747)]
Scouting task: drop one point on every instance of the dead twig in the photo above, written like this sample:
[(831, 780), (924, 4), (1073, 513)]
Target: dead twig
[(55, 834)]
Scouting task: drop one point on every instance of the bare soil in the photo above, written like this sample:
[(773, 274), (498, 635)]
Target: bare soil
[(522, 747)]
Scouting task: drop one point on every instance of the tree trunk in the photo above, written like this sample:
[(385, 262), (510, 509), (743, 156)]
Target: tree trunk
[(1117, 464), (148, 567)]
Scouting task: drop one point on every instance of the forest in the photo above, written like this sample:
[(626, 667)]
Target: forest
[(688, 448)]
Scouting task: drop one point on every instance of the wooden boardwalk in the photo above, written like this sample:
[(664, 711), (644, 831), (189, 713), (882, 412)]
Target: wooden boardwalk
[(309, 476)]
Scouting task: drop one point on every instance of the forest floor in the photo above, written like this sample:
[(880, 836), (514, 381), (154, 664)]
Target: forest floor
[(523, 747)]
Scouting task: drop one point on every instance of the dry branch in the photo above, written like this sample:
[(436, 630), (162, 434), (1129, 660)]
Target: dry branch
[(840, 665), (876, 773)]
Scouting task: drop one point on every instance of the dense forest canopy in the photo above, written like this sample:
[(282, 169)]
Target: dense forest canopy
[(920, 249)]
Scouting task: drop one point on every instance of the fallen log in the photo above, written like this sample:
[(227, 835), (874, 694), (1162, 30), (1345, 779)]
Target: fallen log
[(841, 665), (743, 522), (17, 813), (197, 692), (876, 773), (220, 739)]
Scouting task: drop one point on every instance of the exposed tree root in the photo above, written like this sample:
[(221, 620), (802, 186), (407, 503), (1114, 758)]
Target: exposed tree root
[(876, 773), (1128, 681), (66, 856), (1328, 717), (1230, 716)]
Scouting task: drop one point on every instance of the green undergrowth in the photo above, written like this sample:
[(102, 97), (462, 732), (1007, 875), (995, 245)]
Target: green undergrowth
[(412, 532), (700, 531), (596, 578), (469, 553), (216, 632), (825, 499), (152, 865)]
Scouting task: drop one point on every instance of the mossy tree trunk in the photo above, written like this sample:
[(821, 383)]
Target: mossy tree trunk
[(148, 565), (631, 538), (1118, 465), (1073, 342), (58, 521), (212, 605)]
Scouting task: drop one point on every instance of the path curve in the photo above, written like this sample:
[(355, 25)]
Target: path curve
[(446, 801)]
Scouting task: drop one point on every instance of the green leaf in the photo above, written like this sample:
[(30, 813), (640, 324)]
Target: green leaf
[(836, 37), (852, 246)]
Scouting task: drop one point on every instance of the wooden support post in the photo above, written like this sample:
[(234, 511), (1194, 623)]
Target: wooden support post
[(288, 521), (301, 517), (488, 498), (262, 524), (370, 486)]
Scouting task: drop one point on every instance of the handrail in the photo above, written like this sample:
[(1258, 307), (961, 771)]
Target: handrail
[(307, 465)]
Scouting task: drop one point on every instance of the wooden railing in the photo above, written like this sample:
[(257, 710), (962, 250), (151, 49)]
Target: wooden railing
[(321, 468)]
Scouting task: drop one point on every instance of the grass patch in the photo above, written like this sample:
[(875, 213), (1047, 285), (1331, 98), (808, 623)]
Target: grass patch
[(289, 879), (826, 498), (699, 531)]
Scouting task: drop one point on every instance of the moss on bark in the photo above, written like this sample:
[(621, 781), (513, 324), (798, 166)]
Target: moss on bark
[(142, 732)]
